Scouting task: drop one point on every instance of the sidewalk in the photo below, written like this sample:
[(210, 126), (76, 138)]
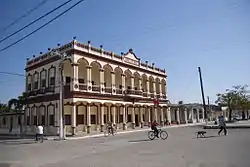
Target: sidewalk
[(9, 137), (101, 134), (236, 125)]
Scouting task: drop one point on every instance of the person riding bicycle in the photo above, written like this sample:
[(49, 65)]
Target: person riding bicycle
[(110, 127), (154, 128)]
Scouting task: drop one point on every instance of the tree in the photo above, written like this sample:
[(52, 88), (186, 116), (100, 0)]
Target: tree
[(180, 102), (3, 107), (16, 105), (234, 98)]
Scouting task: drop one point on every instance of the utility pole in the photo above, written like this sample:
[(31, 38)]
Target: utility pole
[(202, 93), (63, 57), (61, 115)]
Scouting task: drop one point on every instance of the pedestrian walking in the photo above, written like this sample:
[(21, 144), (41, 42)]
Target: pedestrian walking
[(39, 133), (222, 125)]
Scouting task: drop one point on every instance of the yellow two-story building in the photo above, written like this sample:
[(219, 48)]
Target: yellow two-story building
[(99, 86)]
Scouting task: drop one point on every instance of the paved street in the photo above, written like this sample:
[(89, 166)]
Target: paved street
[(181, 149)]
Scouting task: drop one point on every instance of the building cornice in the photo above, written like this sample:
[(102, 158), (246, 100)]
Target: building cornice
[(77, 47)]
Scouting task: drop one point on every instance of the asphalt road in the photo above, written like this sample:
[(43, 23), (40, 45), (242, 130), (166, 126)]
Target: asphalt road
[(181, 149)]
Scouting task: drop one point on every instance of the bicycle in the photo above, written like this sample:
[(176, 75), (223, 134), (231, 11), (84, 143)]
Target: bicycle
[(108, 131), (39, 137), (163, 134)]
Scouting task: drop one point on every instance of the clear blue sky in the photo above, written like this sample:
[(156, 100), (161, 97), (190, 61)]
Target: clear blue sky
[(177, 35)]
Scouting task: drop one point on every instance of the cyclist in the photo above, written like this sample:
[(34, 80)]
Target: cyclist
[(154, 128), (110, 127)]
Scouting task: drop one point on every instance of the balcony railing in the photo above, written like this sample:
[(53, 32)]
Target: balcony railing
[(133, 92), (108, 90), (50, 89), (82, 87), (96, 88), (164, 96), (138, 92), (144, 94), (158, 96), (118, 91), (152, 95)]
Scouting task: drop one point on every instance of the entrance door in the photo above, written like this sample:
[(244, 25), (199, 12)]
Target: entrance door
[(136, 120)]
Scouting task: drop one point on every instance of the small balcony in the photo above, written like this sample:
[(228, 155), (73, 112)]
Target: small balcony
[(108, 90), (50, 89), (82, 87), (152, 95), (130, 92), (119, 91), (96, 88)]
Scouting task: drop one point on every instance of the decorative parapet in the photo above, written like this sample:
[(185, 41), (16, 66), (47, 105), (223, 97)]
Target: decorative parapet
[(48, 55), (128, 58)]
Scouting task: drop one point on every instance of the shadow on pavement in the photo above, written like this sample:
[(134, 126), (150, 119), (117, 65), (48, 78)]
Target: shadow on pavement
[(5, 165), (141, 140), (206, 137), (17, 142)]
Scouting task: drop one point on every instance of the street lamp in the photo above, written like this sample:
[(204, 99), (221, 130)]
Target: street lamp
[(63, 56)]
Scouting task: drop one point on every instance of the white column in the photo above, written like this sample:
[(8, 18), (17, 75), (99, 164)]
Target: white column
[(162, 116), (198, 115), (102, 80), (185, 115), (132, 82), (88, 118), (192, 115), (154, 88), (178, 116), (113, 108), (123, 81), (148, 114), (89, 80), (203, 115), (147, 82), (73, 119), (102, 117), (169, 115), (133, 117), (140, 85), (155, 114), (75, 77), (160, 89), (113, 82), (141, 117), (124, 118)]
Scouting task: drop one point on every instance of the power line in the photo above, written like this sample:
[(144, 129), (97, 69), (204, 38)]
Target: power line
[(25, 15), (41, 26), (46, 14), (10, 73)]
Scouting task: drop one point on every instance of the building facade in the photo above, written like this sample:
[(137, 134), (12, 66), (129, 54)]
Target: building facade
[(99, 86)]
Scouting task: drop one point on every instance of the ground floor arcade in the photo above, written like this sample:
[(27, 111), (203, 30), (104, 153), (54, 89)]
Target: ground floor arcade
[(87, 116)]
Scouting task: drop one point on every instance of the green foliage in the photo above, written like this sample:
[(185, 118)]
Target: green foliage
[(3, 107), (235, 98), (16, 104), (180, 102)]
